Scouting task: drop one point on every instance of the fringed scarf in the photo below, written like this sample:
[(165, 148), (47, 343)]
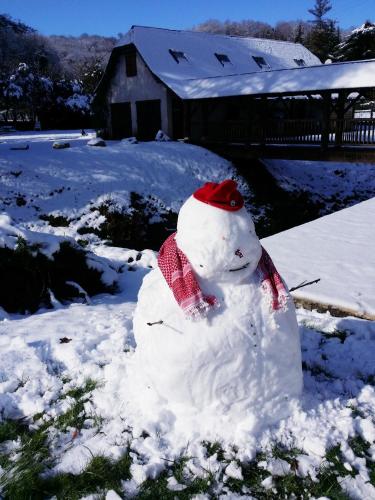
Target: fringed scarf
[(180, 278)]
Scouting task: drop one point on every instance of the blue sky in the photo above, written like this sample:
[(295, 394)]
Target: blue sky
[(109, 17)]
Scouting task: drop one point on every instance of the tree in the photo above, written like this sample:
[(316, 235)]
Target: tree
[(25, 93), (359, 45), (324, 35), (90, 73), (20, 43), (320, 9)]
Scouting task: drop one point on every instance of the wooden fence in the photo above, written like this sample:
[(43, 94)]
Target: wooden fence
[(357, 131)]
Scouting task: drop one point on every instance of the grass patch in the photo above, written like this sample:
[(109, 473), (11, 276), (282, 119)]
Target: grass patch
[(153, 489), (23, 477), (26, 469), (100, 475), (76, 415), (213, 448), (11, 429)]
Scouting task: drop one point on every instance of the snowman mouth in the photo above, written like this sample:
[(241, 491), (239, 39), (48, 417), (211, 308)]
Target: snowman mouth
[(239, 268)]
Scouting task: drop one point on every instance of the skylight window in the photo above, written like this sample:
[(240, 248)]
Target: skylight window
[(261, 62), (223, 59), (300, 62), (178, 56)]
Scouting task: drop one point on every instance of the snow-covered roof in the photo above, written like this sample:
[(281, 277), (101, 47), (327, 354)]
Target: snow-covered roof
[(155, 44), (192, 65), (336, 249), (345, 75)]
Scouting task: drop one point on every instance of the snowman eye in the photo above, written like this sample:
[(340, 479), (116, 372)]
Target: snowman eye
[(200, 265), (238, 253)]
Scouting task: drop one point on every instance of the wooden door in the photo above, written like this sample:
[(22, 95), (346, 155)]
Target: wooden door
[(148, 119), (121, 120)]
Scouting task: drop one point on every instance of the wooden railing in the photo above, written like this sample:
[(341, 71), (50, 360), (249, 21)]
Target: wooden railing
[(358, 131), (334, 132)]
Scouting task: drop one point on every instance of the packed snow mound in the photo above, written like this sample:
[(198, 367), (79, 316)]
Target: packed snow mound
[(236, 369)]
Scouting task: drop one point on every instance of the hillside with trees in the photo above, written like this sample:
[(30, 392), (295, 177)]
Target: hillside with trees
[(320, 34), (49, 79)]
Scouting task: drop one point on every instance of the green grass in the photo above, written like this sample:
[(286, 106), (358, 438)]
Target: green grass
[(27, 477), (153, 489), (99, 476), (23, 479)]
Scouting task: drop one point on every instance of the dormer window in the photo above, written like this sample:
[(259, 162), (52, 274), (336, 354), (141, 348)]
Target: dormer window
[(178, 56), (261, 62), (300, 62), (223, 59)]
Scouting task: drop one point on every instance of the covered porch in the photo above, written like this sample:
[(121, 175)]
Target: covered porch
[(306, 108)]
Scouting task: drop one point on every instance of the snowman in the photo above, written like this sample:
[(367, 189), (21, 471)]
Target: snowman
[(215, 326)]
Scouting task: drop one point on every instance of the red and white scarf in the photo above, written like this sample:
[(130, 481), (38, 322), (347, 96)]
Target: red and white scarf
[(180, 278)]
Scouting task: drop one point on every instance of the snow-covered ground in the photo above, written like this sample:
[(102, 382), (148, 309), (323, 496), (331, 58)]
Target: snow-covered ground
[(338, 249), (44, 356), (332, 185), (37, 368), (74, 182)]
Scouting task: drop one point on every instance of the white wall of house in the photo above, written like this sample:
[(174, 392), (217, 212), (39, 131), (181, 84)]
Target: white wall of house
[(141, 87)]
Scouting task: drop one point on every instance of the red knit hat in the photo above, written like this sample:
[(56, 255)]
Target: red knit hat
[(223, 195)]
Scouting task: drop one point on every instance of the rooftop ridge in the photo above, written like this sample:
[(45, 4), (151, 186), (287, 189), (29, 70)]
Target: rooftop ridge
[(206, 33)]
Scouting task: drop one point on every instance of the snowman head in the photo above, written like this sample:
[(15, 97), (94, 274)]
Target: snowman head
[(217, 234)]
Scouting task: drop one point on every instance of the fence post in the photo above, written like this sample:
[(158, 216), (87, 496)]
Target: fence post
[(325, 119), (263, 124)]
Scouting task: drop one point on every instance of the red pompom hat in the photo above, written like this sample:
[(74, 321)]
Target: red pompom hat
[(224, 195)]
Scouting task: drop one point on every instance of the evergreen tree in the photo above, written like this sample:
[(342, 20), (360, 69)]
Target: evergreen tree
[(359, 45), (320, 9), (323, 37), (299, 34)]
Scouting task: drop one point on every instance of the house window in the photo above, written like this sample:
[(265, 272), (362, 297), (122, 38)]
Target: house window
[(300, 62), (177, 55), (131, 63), (223, 59), (261, 62)]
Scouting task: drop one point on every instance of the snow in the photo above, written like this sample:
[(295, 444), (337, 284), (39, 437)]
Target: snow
[(338, 249), (332, 185), (200, 48), (276, 466), (344, 75), (233, 470), (74, 182), (36, 370)]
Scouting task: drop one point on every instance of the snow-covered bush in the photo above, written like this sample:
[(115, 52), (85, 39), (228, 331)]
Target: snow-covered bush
[(140, 227), (31, 279), (359, 45)]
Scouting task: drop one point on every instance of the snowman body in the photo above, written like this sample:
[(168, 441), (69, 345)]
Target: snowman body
[(241, 358)]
